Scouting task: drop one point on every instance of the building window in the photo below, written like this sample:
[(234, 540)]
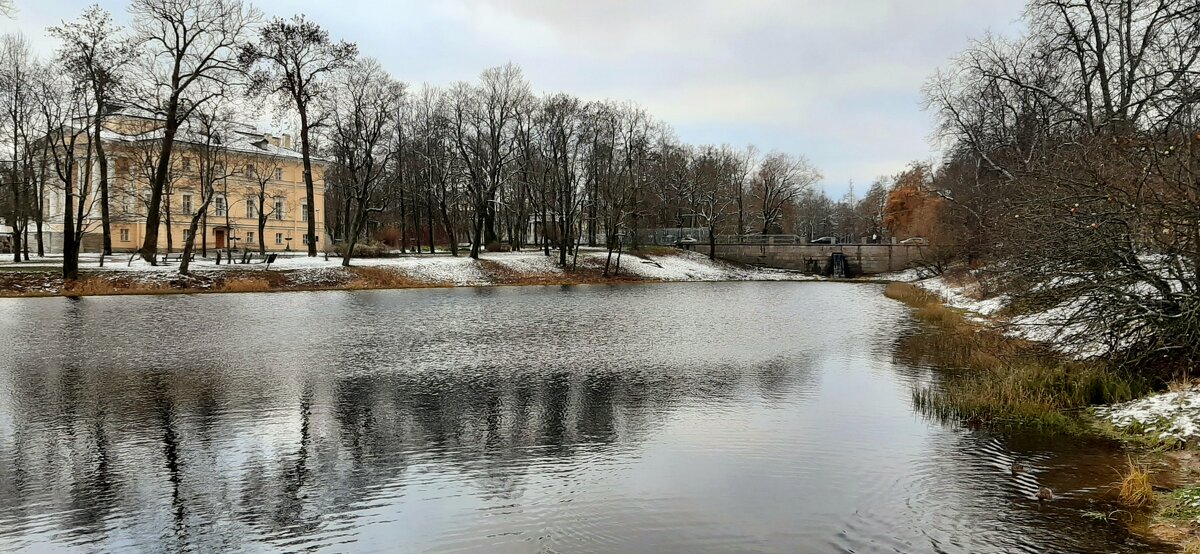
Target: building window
[(279, 174), (251, 208), (187, 164), (129, 205), (278, 238), (220, 202), (124, 235), (250, 170), (279, 207), (187, 234), (187, 204), (304, 211), (305, 238), (218, 169), (250, 237)]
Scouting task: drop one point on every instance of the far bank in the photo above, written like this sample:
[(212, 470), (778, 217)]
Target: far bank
[(40, 277)]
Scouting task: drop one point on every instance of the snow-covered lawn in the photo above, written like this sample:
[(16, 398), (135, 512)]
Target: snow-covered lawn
[(443, 269)]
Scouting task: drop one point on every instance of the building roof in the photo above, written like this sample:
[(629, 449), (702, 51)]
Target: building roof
[(235, 136)]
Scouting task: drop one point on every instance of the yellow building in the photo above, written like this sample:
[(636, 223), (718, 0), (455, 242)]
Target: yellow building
[(253, 173)]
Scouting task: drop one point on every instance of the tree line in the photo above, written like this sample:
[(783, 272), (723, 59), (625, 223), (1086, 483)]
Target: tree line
[(487, 163)]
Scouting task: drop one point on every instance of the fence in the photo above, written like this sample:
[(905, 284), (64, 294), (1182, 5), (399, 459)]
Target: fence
[(669, 236), (759, 239)]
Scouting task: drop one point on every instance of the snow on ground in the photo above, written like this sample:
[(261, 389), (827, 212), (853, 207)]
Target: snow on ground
[(1044, 327), (692, 266), (910, 275), (443, 268), (1168, 416), (962, 297)]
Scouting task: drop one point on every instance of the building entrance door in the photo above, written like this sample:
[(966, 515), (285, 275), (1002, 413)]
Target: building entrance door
[(219, 236)]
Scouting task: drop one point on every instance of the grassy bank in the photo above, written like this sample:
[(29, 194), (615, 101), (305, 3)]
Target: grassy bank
[(1000, 379), (996, 379)]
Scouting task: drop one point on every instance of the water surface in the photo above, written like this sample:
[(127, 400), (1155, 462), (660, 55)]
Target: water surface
[(683, 417)]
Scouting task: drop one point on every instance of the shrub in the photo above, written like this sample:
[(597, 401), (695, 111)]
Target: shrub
[(362, 249)]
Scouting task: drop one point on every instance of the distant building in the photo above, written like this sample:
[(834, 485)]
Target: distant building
[(244, 160)]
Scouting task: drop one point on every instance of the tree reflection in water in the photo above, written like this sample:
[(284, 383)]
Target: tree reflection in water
[(591, 417)]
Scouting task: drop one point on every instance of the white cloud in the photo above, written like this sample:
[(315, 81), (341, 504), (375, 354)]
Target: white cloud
[(836, 80)]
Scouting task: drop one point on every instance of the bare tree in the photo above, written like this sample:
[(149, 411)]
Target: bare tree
[(362, 118), (95, 53), (261, 170), (779, 180), (294, 59), (185, 45), (17, 66), (62, 102), (1085, 129), (485, 119)]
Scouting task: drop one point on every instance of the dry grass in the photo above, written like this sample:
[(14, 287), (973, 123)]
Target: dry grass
[(585, 274), (364, 278), (245, 284), (1002, 379), (101, 285), (1136, 489)]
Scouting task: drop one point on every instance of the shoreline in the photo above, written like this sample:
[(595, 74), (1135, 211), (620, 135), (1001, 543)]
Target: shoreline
[(39, 280), (1165, 469)]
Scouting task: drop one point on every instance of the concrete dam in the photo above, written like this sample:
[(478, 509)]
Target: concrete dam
[(859, 259)]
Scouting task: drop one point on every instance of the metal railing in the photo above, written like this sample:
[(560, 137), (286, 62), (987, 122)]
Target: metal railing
[(759, 239)]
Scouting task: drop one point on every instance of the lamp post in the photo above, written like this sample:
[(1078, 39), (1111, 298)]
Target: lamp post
[(232, 244)]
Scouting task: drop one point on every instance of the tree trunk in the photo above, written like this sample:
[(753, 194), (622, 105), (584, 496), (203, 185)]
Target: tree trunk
[(359, 223), (262, 228), (190, 241), (16, 207), (308, 180), (403, 224), (489, 218), (477, 235), (416, 221), (429, 219), (448, 226), (70, 252), (149, 250), (712, 243), (101, 157)]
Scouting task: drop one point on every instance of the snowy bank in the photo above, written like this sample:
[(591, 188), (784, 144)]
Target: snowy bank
[(298, 272)]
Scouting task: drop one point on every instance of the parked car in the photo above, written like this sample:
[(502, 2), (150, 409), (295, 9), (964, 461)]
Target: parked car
[(915, 240), (824, 240)]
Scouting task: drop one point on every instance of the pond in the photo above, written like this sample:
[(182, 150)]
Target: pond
[(701, 417)]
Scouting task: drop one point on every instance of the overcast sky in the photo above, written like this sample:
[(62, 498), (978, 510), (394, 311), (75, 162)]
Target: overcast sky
[(835, 80)]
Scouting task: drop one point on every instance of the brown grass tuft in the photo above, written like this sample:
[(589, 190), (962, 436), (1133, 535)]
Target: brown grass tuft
[(1136, 489)]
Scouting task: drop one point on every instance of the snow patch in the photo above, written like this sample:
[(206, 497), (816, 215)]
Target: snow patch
[(1168, 416)]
